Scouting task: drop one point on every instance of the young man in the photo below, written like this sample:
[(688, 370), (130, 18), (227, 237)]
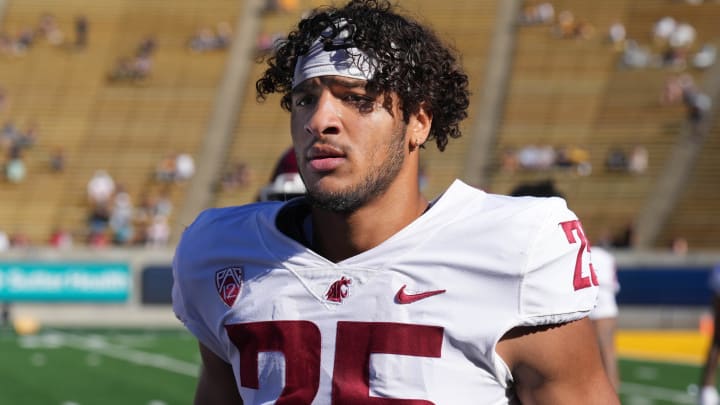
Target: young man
[(363, 292)]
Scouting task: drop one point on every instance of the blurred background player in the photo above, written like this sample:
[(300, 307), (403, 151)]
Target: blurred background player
[(604, 316), (285, 182), (708, 391)]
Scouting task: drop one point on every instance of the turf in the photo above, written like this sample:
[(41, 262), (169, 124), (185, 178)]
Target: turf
[(158, 367), (93, 367)]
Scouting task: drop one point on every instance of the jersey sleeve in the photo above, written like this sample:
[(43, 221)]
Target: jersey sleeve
[(188, 302), (558, 283)]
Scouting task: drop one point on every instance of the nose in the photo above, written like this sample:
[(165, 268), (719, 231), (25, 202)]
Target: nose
[(325, 118)]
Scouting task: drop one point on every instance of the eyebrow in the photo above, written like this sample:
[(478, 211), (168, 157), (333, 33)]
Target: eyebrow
[(327, 81)]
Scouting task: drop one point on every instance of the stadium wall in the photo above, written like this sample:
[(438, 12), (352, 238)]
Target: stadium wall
[(658, 289)]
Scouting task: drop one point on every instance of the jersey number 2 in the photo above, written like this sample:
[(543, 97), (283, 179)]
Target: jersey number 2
[(299, 342), (579, 282)]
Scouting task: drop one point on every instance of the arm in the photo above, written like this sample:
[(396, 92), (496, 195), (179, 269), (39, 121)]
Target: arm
[(605, 330), (216, 384), (557, 364)]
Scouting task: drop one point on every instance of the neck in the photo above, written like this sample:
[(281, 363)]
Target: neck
[(338, 236)]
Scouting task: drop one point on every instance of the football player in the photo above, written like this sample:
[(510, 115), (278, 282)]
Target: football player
[(363, 291), (604, 315), (285, 182)]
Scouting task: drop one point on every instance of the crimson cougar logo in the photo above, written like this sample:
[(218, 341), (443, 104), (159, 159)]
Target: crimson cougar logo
[(228, 282), (338, 290)]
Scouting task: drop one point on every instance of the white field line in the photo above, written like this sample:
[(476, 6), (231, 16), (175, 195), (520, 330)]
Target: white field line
[(657, 393), (101, 346)]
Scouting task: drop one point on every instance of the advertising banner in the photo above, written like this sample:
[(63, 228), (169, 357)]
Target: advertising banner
[(67, 282)]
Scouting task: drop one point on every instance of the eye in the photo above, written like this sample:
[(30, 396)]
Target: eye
[(304, 100), (361, 102)]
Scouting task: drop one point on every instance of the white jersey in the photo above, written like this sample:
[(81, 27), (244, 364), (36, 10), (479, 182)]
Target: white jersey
[(417, 317), (604, 265)]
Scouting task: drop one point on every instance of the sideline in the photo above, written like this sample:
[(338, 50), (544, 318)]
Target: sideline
[(678, 346)]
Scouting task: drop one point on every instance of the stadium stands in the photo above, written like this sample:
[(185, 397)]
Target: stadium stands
[(562, 92), (125, 128), (573, 92)]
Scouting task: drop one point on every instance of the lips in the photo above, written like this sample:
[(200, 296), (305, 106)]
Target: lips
[(325, 157)]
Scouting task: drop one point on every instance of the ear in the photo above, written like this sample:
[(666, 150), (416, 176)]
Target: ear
[(418, 128)]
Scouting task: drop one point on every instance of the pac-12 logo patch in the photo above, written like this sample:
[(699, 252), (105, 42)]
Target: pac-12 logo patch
[(228, 282)]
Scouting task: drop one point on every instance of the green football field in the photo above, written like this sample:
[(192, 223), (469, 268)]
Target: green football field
[(158, 367)]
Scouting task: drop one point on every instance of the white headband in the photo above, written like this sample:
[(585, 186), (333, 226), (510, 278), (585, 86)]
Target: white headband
[(347, 62)]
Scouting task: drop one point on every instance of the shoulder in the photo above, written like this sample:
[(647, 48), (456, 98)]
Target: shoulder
[(214, 223), (471, 202), (232, 232)]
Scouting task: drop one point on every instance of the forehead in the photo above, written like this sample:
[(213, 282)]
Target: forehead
[(328, 82)]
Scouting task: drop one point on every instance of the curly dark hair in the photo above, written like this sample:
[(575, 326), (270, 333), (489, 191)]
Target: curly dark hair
[(410, 61)]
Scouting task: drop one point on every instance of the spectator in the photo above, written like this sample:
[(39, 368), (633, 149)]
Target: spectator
[(580, 159), (682, 36), (4, 99), (121, 217), (25, 40), (224, 33), (617, 35), (510, 163), (203, 40), (98, 240), (15, 170), (49, 29), (57, 160), (99, 218), (238, 176), (9, 135), (662, 30), (28, 139), (163, 205), (131, 69), (147, 46), (616, 160), (626, 237), (165, 169), (542, 13), (679, 246), (184, 167), (158, 232), (702, 59), (698, 104), (135, 68), (534, 157), (674, 87), (266, 42), (4, 241), (100, 188), (61, 238), (635, 56), (20, 239), (81, 31), (638, 161)]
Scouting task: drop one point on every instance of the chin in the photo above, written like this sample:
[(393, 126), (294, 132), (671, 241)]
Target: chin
[(342, 200)]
